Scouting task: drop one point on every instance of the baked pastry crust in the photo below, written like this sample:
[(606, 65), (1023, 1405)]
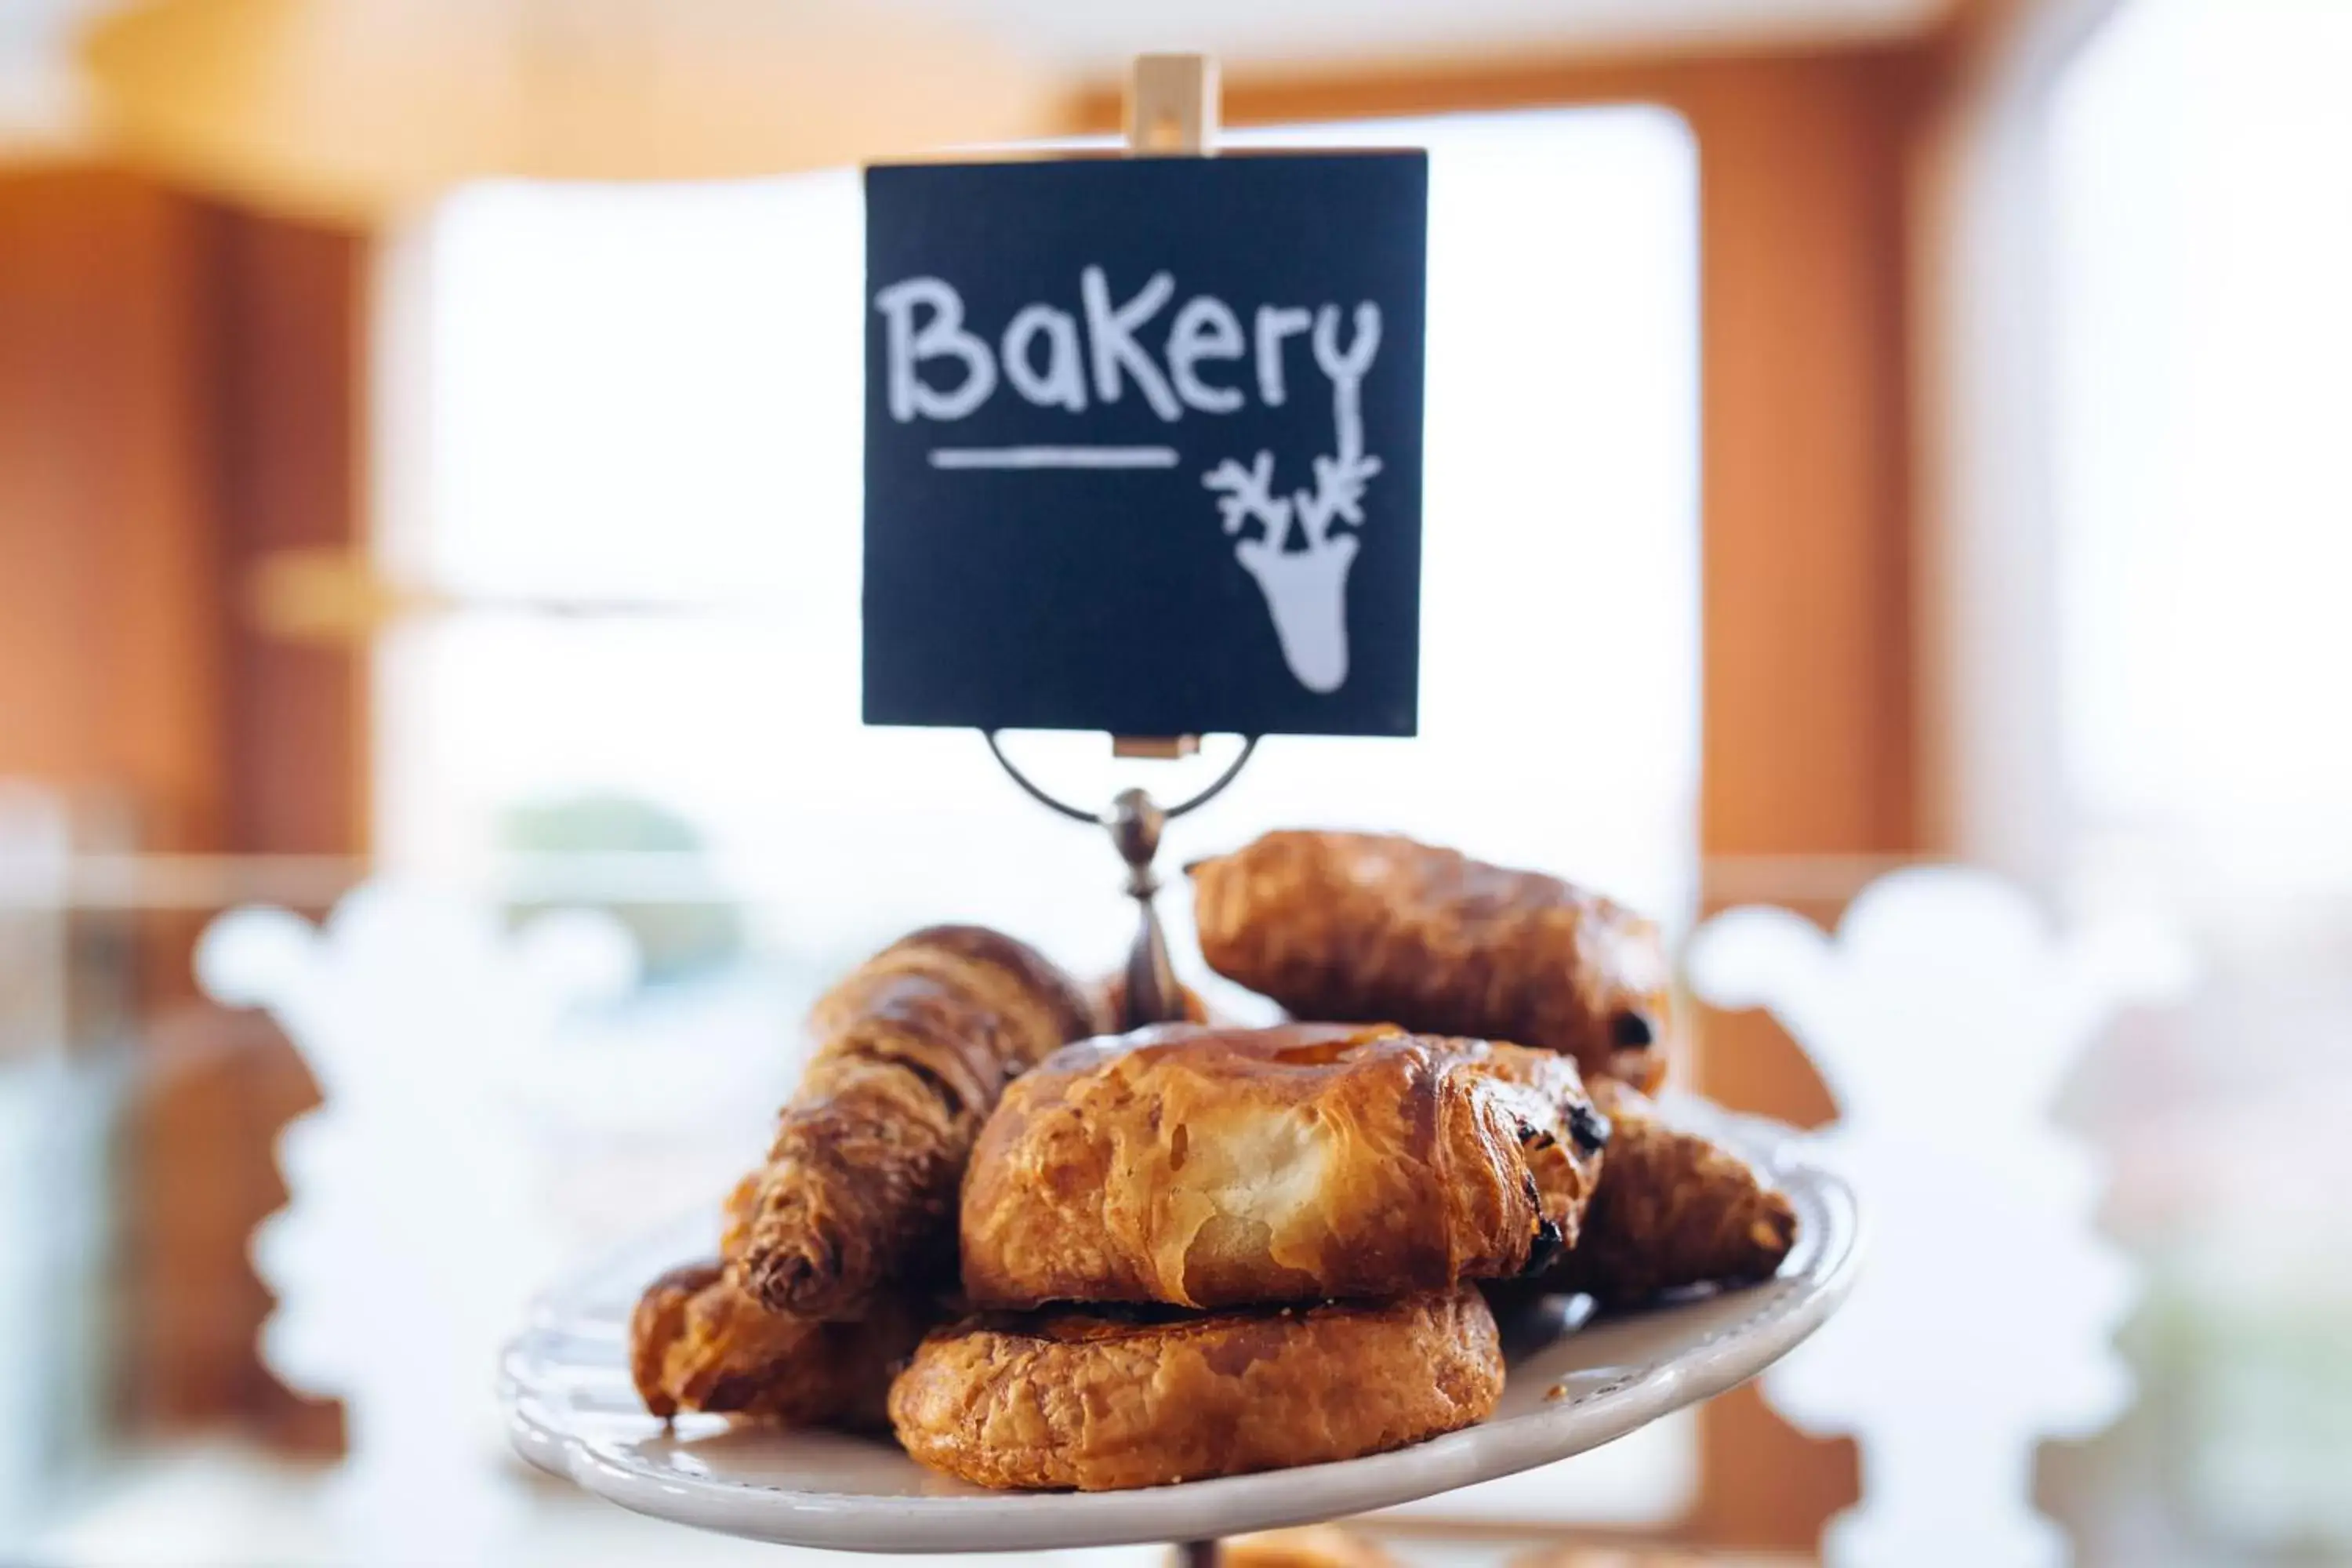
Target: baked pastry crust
[(859, 1193), (1672, 1209), (1374, 927), (699, 1343), (1100, 1400), (1207, 1167)]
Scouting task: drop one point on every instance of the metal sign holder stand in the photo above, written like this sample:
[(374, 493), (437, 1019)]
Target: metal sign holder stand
[(1134, 821)]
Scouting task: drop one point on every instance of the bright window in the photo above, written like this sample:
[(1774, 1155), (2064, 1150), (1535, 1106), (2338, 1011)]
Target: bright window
[(2202, 324)]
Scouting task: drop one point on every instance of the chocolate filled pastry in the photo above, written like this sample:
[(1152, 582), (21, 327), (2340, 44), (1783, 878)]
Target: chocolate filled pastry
[(1672, 1209), (1207, 1167), (1098, 1399), (1376, 928), (915, 1047)]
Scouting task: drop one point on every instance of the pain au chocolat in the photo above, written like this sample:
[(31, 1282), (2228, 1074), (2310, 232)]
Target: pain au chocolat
[(1672, 1209), (1374, 926), (1204, 1167)]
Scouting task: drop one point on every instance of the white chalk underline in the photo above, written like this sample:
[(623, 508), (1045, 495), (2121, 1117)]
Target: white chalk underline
[(1053, 456)]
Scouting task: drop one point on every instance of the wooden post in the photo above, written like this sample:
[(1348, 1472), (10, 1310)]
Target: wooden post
[(1158, 748)]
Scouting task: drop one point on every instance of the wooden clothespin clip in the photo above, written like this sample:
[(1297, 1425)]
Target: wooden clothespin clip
[(1173, 106)]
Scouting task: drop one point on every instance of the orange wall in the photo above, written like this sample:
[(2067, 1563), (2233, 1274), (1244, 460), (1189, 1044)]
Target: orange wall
[(179, 392), (110, 660)]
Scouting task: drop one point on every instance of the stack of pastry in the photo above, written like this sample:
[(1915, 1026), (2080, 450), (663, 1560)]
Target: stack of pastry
[(1191, 1250), (1201, 1251)]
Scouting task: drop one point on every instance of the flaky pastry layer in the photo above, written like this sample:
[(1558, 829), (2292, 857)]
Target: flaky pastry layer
[(859, 1193)]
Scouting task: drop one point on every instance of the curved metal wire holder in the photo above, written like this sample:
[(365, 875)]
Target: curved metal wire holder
[(1134, 821)]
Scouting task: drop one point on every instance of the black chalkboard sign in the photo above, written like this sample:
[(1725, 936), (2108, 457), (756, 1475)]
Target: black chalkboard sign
[(1143, 444)]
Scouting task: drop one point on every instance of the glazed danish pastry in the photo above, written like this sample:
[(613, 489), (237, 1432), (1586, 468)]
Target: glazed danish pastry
[(1369, 927), (1099, 1399), (916, 1044), (1207, 1167)]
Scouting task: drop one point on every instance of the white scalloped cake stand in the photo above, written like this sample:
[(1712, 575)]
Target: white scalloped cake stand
[(1572, 1387)]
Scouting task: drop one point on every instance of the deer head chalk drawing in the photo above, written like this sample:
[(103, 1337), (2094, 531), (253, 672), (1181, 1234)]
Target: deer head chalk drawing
[(1297, 554)]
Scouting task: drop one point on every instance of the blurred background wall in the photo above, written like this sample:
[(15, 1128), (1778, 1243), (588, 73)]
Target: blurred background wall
[(179, 382)]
